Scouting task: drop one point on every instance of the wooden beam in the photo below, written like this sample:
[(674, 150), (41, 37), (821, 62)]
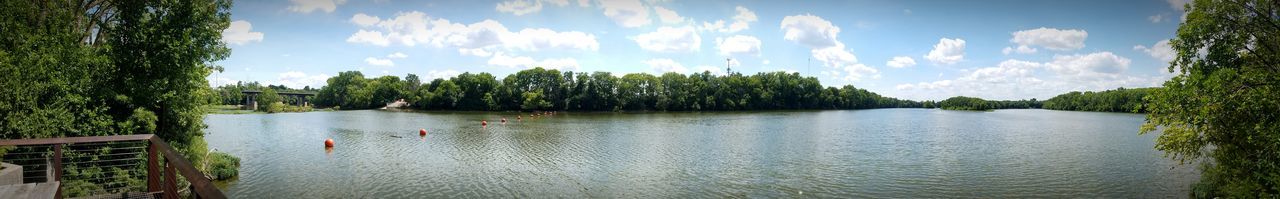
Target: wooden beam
[(202, 185), (73, 140)]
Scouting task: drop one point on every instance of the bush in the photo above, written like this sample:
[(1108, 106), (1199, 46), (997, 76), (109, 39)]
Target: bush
[(223, 166)]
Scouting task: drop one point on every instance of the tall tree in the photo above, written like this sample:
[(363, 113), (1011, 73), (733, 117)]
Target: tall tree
[(1223, 108)]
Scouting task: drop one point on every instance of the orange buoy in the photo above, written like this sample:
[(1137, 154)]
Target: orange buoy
[(484, 123), (422, 132), (328, 143)]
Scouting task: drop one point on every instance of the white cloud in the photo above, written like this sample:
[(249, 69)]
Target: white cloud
[(1051, 38), (812, 31), (667, 15), (369, 37), (307, 6), (704, 68), (298, 80), (1161, 50), (1022, 49), (216, 81), (901, 62), (1017, 79), (415, 28), (947, 51), (820, 35), (1156, 18), (660, 66), (628, 13), (362, 19), (844, 62), (474, 52), (240, 33), (378, 62), (440, 74), (1093, 63), (397, 55), (742, 19), (522, 62), (519, 7), (739, 45), (765, 62), (668, 39)]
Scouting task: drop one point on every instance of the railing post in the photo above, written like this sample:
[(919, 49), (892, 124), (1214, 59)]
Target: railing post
[(57, 168), (153, 168), (170, 181)]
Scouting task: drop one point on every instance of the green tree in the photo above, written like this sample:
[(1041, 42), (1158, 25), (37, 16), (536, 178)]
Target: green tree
[(269, 98), (1223, 103)]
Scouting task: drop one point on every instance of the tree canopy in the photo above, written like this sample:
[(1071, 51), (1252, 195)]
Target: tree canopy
[(1222, 109), (1118, 100), (542, 89)]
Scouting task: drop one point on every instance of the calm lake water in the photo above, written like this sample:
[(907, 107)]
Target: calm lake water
[(901, 153)]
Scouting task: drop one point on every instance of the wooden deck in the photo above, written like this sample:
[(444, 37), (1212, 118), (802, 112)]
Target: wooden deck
[(30, 190)]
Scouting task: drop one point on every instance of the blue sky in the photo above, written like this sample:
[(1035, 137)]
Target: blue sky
[(920, 50)]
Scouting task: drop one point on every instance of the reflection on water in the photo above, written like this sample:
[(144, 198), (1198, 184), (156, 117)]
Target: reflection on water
[(886, 152)]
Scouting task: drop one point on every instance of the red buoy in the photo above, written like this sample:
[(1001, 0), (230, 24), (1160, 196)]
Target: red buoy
[(484, 123), (422, 132), (328, 143), (504, 120)]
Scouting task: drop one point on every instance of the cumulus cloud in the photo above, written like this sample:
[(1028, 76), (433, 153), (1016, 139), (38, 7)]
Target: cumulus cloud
[(519, 7), (669, 39), (660, 66), (820, 36), (1022, 49), (378, 62), (739, 45), (1093, 63), (397, 55), (298, 80), (522, 62), (812, 31), (667, 15), (627, 13), (441, 74), (240, 33), (947, 51), (741, 21), (362, 19), (705, 68), (307, 6), (1161, 50), (414, 28), (474, 52), (1051, 38), (1018, 79), (901, 62)]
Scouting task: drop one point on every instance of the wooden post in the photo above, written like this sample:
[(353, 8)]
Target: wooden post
[(153, 168), (170, 181), (57, 168)]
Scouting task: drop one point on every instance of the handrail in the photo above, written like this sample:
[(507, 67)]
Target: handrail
[(173, 160), (73, 140)]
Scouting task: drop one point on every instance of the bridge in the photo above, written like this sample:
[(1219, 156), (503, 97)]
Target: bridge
[(295, 98)]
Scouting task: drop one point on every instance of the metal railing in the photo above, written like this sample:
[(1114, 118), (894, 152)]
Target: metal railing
[(109, 166)]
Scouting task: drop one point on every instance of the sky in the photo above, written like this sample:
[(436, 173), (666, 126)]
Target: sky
[(918, 50)]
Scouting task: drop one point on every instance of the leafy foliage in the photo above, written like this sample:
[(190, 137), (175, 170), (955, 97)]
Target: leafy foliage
[(1118, 100), (541, 89), (1223, 108)]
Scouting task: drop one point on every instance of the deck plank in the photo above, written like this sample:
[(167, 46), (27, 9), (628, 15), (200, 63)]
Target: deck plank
[(30, 190)]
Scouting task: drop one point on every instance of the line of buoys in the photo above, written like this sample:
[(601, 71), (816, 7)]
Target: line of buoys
[(328, 143), (422, 132)]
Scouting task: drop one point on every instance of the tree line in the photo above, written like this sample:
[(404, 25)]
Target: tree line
[(979, 104), (1118, 100), (543, 89)]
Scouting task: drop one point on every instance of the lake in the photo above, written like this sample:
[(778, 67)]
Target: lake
[(900, 153)]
